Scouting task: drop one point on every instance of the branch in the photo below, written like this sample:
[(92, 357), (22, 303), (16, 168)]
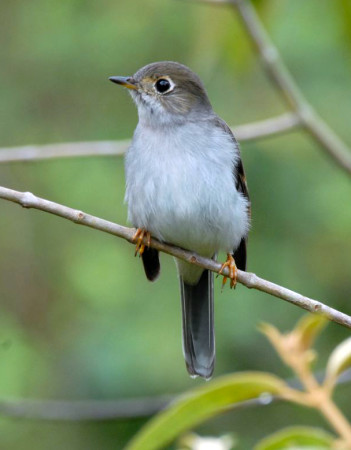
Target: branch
[(265, 128), (250, 280), (82, 410), (248, 132), (66, 150), (286, 85), (85, 410)]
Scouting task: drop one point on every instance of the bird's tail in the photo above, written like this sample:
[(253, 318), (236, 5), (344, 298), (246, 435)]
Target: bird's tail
[(198, 325)]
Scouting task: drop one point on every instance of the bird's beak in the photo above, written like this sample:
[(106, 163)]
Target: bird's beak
[(127, 82)]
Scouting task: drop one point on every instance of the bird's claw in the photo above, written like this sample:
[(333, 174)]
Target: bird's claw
[(139, 238), (233, 271)]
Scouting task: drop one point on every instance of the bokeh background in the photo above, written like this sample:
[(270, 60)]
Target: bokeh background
[(78, 319)]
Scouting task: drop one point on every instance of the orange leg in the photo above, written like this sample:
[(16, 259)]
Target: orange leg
[(233, 271), (138, 238)]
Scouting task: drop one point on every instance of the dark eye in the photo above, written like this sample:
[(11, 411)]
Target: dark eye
[(162, 85)]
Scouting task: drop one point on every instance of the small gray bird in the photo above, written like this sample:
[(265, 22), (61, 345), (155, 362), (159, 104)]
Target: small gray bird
[(185, 184)]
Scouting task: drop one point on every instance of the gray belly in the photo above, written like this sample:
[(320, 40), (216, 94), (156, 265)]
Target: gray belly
[(187, 196)]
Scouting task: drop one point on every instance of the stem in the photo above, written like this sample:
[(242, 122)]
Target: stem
[(336, 418), (320, 398), (326, 406)]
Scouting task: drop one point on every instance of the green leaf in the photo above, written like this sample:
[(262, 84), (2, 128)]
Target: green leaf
[(296, 438), (338, 362), (202, 403)]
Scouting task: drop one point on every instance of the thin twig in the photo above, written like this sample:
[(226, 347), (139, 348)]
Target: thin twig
[(266, 128), (96, 410), (82, 410), (86, 410), (286, 85), (65, 150), (250, 280), (248, 132), (282, 78)]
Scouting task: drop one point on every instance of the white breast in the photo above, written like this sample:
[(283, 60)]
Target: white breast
[(181, 187)]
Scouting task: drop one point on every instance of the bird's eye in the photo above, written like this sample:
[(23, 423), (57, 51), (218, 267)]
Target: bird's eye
[(162, 85)]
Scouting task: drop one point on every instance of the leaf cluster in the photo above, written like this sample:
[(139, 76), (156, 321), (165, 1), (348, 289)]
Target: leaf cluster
[(226, 392)]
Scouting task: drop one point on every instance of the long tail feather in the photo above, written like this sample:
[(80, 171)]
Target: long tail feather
[(198, 326)]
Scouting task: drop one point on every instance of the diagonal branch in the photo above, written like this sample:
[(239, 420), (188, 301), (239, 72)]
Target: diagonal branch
[(250, 280), (286, 85), (246, 132)]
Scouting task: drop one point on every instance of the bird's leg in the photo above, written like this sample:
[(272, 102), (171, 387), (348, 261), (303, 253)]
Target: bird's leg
[(138, 238), (233, 271)]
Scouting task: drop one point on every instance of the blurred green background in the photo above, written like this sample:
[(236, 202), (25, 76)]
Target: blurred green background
[(78, 319)]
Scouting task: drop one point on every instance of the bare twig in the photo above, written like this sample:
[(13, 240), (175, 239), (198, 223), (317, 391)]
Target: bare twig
[(286, 85), (82, 410), (250, 280), (265, 128), (280, 75), (66, 150), (247, 132), (85, 410)]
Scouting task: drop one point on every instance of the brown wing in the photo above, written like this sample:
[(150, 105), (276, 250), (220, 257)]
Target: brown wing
[(241, 186)]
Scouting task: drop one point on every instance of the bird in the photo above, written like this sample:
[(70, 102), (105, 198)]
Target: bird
[(185, 185)]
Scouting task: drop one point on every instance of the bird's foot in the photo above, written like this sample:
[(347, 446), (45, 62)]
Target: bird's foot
[(233, 271), (138, 238)]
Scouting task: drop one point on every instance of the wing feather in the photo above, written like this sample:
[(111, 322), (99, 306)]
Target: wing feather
[(241, 186)]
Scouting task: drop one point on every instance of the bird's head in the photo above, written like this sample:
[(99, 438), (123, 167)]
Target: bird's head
[(167, 92)]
